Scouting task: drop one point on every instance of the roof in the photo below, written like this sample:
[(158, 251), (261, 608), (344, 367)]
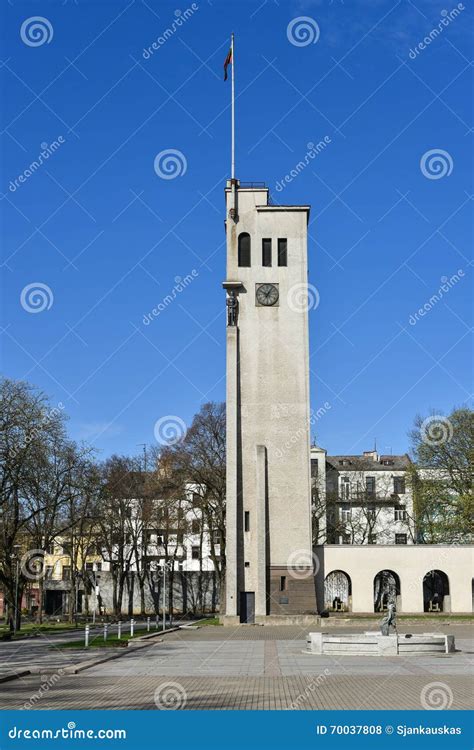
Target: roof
[(367, 463)]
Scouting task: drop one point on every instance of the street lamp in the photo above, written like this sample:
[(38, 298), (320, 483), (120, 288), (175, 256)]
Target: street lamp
[(16, 557)]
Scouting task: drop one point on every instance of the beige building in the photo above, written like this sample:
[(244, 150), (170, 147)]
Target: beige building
[(269, 543)]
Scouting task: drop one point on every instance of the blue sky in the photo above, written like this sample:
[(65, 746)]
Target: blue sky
[(108, 236)]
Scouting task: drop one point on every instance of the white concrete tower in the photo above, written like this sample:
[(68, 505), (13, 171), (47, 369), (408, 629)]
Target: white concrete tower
[(269, 558)]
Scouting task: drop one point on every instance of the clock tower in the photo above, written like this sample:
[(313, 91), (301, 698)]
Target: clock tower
[(269, 561)]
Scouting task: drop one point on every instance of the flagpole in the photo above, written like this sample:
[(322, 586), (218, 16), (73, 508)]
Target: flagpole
[(232, 170)]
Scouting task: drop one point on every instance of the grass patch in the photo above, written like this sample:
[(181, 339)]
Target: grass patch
[(209, 621), (31, 629), (97, 641)]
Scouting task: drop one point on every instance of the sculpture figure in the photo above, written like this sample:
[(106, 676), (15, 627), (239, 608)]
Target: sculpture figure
[(232, 307), (390, 618)]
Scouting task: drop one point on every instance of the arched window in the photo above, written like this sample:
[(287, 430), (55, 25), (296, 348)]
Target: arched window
[(244, 250), (436, 592), (386, 589)]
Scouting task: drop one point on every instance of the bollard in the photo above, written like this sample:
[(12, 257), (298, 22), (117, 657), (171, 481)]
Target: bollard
[(148, 624), (119, 629), (106, 628), (156, 622), (132, 623), (86, 637)]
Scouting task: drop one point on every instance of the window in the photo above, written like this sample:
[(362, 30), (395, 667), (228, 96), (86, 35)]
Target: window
[(346, 539), (371, 512), (196, 500), (399, 485), (282, 583), (400, 538), (372, 538), (370, 485), (195, 552), (247, 564), (48, 571), (314, 467), (345, 513), (98, 567), (244, 249), (400, 514), (282, 253), (387, 462), (266, 252), (247, 520), (345, 488), (195, 526), (66, 573), (216, 536), (89, 566)]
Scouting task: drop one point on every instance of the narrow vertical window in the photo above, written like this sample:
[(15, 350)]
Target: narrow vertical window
[(282, 252), (266, 252), (247, 520), (244, 250), (282, 583)]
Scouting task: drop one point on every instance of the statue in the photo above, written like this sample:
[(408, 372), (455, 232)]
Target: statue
[(390, 618), (232, 308)]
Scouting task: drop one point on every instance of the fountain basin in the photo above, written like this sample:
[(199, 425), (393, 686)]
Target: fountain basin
[(376, 644)]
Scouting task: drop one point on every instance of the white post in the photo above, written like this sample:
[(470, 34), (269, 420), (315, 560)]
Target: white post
[(148, 624), (156, 622), (119, 629), (106, 628), (86, 637), (132, 623), (232, 170), (164, 596)]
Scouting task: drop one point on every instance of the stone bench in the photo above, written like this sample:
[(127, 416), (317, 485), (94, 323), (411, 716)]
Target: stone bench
[(376, 644)]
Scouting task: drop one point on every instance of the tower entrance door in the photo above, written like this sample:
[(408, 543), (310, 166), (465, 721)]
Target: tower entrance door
[(247, 606)]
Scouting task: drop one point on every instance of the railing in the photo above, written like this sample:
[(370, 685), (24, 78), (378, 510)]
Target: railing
[(255, 185)]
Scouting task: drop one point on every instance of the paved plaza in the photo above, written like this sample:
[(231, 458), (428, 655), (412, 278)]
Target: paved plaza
[(249, 668)]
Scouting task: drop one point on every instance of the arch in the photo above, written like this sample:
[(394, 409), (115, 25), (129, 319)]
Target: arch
[(386, 587), (338, 591), (436, 595), (244, 255)]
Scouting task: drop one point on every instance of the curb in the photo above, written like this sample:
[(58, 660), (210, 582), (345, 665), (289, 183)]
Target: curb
[(14, 675)]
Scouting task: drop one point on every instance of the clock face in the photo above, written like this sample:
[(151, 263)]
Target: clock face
[(267, 294)]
